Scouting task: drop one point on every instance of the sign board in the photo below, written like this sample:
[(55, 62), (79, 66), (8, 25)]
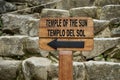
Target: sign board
[(70, 33)]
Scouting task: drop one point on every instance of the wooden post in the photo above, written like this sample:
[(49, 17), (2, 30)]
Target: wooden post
[(65, 65)]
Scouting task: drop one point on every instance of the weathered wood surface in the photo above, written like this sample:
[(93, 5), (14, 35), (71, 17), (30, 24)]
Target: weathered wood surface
[(65, 65), (66, 29), (43, 42)]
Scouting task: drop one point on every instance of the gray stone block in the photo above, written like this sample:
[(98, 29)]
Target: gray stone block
[(68, 4), (106, 2), (84, 12), (103, 70), (54, 13), (110, 11), (100, 46), (9, 69), (100, 25), (35, 68), (20, 24)]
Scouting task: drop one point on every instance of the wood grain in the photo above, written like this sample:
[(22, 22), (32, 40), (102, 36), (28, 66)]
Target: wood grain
[(65, 65), (43, 21), (88, 32), (46, 37), (88, 44)]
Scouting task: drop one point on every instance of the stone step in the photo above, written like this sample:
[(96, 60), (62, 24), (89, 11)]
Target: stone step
[(54, 13), (18, 46), (27, 6), (115, 27), (38, 68), (21, 45), (32, 2), (20, 24), (6, 7), (91, 70), (84, 12), (100, 25), (106, 2), (68, 4), (110, 11), (9, 69), (28, 25), (106, 12), (101, 45)]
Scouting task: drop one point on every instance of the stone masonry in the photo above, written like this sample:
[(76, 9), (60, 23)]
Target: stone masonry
[(22, 59)]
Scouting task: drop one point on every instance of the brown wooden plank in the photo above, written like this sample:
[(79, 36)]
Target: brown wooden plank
[(50, 29), (43, 21), (85, 32), (65, 65), (44, 41)]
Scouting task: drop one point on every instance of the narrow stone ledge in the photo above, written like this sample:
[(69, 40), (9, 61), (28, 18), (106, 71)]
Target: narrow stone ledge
[(9, 69), (54, 13), (100, 46)]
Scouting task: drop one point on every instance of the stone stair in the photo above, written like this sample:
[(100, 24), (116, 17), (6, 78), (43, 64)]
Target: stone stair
[(22, 59)]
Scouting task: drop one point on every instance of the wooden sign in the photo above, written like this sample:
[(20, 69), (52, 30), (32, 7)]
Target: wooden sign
[(71, 33)]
